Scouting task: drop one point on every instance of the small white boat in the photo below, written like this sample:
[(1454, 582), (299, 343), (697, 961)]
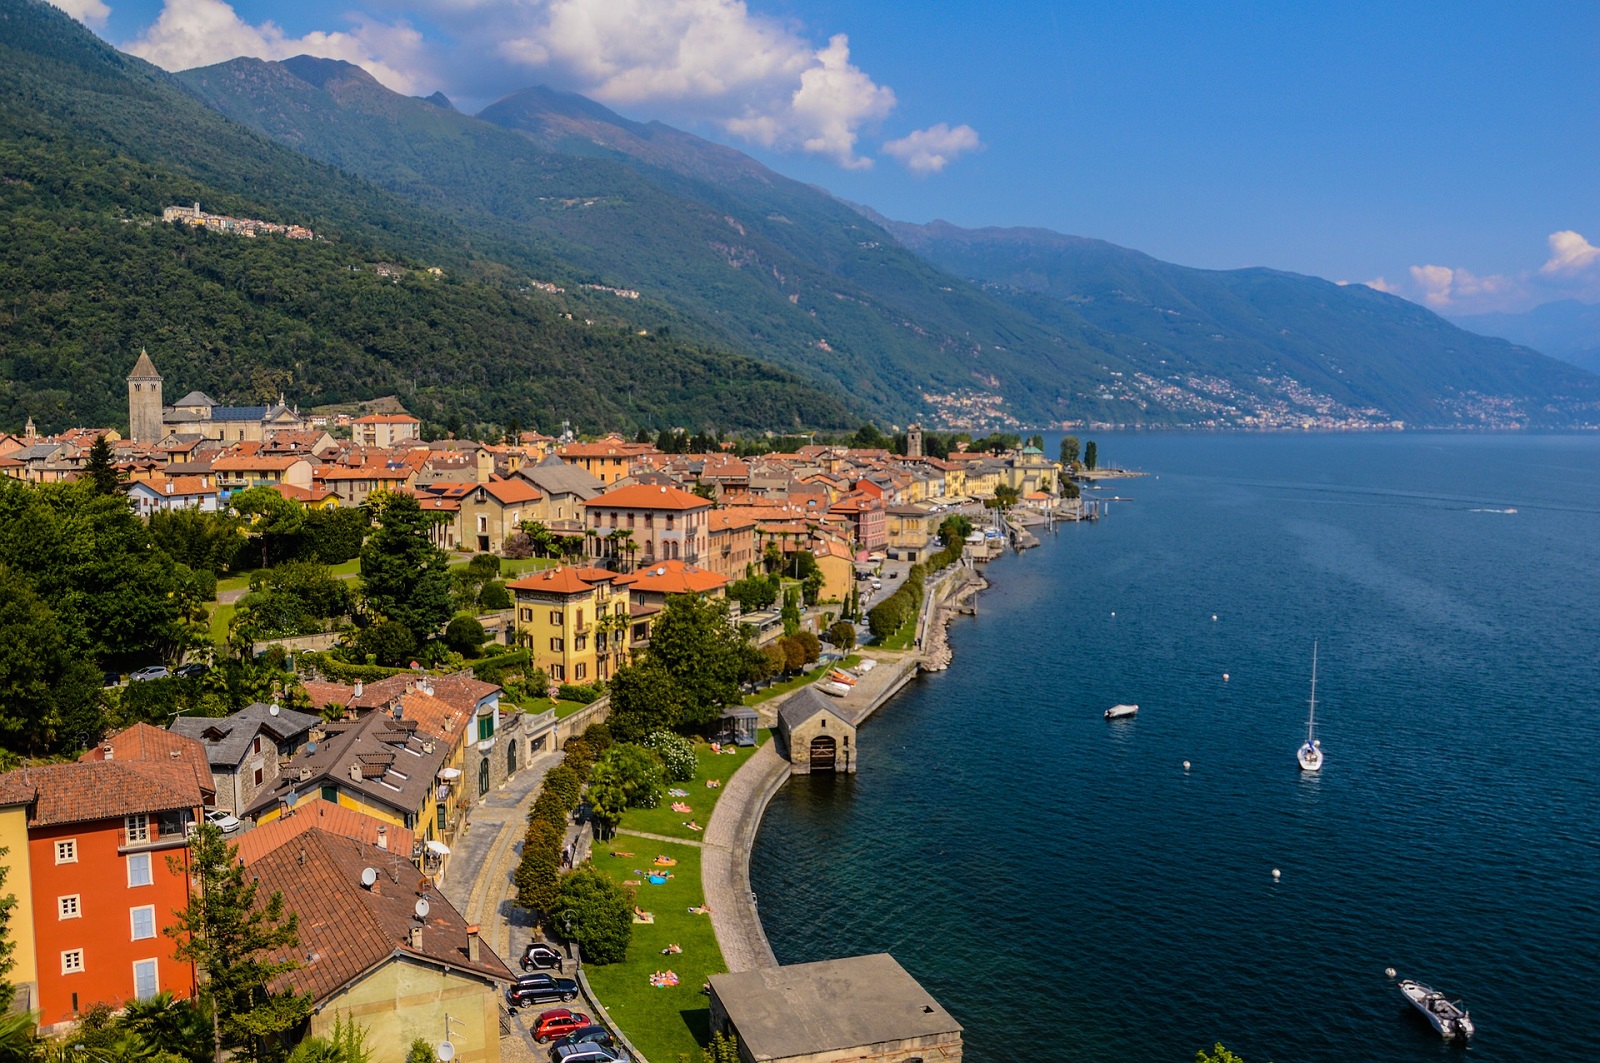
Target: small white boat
[(1447, 1016), (832, 689), (1121, 712), (1310, 752)]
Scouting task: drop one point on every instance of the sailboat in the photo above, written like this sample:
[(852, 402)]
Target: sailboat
[(1310, 753)]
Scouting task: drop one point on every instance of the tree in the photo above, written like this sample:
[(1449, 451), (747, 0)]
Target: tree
[(273, 524), (1069, 450), (1005, 496), (226, 930), (794, 654), (607, 804), (634, 770), (600, 910), (954, 529), (180, 1026), (755, 592), (420, 1052), (389, 643), (1091, 455), (334, 536), (97, 468), (538, 875), (465, 635), (1036, 442), (201, 540), (494, 596), (842, 634), (810, 645), (699, 648), (49, 696), (404, 576), (791, 612), (724, 1048), (645, 697)]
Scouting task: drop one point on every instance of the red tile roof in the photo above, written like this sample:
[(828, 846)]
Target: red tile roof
[(643, 496), (565, 580), (318, 814), (675, 577), (511, 492), (153, 744), (88, 792)]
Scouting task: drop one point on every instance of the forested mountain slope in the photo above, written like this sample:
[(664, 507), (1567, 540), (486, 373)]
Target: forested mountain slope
[(93, 144)]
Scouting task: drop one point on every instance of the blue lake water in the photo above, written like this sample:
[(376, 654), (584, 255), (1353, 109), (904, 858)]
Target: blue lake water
[(1069, 892)]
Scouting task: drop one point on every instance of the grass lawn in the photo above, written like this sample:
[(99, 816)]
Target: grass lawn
[(674, 1021), (902, 639), (220, 617), (799, 681), (513, 569)]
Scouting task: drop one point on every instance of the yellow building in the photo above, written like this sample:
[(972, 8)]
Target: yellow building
[(575, 621), (608, 461), (19, 879)]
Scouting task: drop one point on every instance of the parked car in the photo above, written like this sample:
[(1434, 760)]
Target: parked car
[(557, 1022), (154, 671), (543, 956), (540, 989), (111, 679), (223, 821), (593, 1034), (586, 1053), (192, 671)]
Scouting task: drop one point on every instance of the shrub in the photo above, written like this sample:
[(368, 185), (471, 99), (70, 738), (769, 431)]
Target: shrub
[(583, 695), (551, 807), (599, 737), (633, 769), (390, 642), (565, 783), (538, 875), (517, 547), (602, 920), (581, 756), (465, 635), (676, 753), (811, 645), (484, 566), (494, 596), (843, 635)]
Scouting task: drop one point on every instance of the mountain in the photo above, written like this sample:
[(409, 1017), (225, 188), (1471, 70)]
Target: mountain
[(748, 257), (1565, 329), (392, 297), (1260, 343)]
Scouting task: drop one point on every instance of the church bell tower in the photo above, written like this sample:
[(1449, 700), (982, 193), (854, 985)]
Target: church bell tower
[(144, 401)]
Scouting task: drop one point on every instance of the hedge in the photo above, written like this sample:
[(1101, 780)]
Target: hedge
[(345, 672)]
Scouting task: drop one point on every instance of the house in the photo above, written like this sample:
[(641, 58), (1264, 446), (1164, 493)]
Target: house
[(385, 429), (730, 542), (649, 588), (913, 532), (608, 460), (814, 735), (575, 620), (142, 742), (383, 948), (856, 1008), (103, 864), (565, 488), (493, 512), (244, 750), (158, 493), (246, 466), (661, 523)]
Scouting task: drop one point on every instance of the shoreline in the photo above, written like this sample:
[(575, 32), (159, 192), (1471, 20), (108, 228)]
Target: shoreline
[(736, 820)]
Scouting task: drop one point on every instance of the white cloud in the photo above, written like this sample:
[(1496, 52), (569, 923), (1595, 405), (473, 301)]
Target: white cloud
[(1443, 287), (1382, 285), (192, 33), (1569, 253), (931, 150), (705, 60), (89, 12)]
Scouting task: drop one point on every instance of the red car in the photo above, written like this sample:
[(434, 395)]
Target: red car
[(557, 1022)]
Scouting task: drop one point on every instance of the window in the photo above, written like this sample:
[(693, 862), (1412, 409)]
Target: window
[(139, 870), (555, 617), (256, 747), (485, 728), (580, 643), (557, 645), (258, 776), (143, 921), (579, 621), (527, 616), (443, 811), (67, 851), (579, 671), (669, 522), (630, 520), (138, 828), (558, 673), (69, 907), (72, 961), (146, 982)]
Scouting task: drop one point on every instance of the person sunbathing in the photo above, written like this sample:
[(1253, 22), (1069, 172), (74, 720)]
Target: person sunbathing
[(692, 825), (672, 949), (712, 784), (704, 909), (664, 861)]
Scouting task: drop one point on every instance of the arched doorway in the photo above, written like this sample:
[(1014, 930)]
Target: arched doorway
[(511, 758), (824, 751), (483, 776)]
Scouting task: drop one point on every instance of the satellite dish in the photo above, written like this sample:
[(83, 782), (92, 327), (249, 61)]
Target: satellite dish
[(311, 747), (422, 908), (368, 877), (447, 1052), (274, 709)]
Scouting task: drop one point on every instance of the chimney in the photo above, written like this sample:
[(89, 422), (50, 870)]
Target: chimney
[(383, 836), (107, 751), (416, 938), (355, 773), (358, 688), (472, 943)]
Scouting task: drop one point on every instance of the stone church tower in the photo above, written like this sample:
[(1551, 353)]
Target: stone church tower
[(144, 401), (914, 441)]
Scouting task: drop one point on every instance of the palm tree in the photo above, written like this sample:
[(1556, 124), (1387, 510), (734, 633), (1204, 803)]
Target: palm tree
[(622, 544)]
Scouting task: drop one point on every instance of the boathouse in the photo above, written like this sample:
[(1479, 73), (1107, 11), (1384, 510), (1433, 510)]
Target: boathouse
[(857, 1008), (814, 735)]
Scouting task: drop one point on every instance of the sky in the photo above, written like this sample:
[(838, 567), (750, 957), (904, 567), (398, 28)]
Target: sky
[(1446, 152)]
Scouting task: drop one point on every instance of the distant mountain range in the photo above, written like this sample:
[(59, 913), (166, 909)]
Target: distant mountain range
[(1566, 329), (627, 273)]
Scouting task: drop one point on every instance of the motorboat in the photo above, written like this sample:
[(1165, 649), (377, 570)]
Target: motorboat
[(1310, 752), (832, 689), (1447, 1016), (1121, 712)]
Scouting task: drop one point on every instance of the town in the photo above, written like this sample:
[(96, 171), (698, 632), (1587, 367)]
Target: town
[(405, 657)]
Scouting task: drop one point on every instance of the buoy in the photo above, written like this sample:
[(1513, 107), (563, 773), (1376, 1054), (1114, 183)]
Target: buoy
[(1113, 614), (1224, 677), (1213, 618), (1186, 765), (1276, 874), (1389, 971)]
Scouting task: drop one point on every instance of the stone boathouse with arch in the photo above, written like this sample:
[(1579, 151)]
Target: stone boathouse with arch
[(814, 735)]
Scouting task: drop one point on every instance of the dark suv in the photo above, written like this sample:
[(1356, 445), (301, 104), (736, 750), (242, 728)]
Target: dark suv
[(540, 989), (542, 956)]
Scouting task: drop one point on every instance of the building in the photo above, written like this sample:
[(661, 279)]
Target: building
[(814, 735), (661, 523), (913, 532), (158, 492), (244, 750), (144, 402), (565, 488), (575, 621), (385, 430), (831, 1011), (384, 949), (649, 588), (493, 512), (730, 542), (608, 460), (102, 841)]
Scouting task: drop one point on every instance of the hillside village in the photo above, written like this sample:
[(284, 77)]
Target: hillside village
[(354, 784)]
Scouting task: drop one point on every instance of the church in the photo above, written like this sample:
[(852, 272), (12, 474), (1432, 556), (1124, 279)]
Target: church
[(197, 415)]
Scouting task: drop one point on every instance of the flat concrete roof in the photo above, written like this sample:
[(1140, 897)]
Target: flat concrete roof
[(830, 1005)]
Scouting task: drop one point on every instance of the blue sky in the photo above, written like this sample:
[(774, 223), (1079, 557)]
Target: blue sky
[(1445, 151)]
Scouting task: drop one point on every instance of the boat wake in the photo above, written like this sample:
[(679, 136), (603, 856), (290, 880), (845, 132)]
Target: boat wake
[(1508, 509)]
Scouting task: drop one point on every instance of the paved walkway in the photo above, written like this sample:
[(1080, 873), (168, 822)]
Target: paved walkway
[(725, 860)]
